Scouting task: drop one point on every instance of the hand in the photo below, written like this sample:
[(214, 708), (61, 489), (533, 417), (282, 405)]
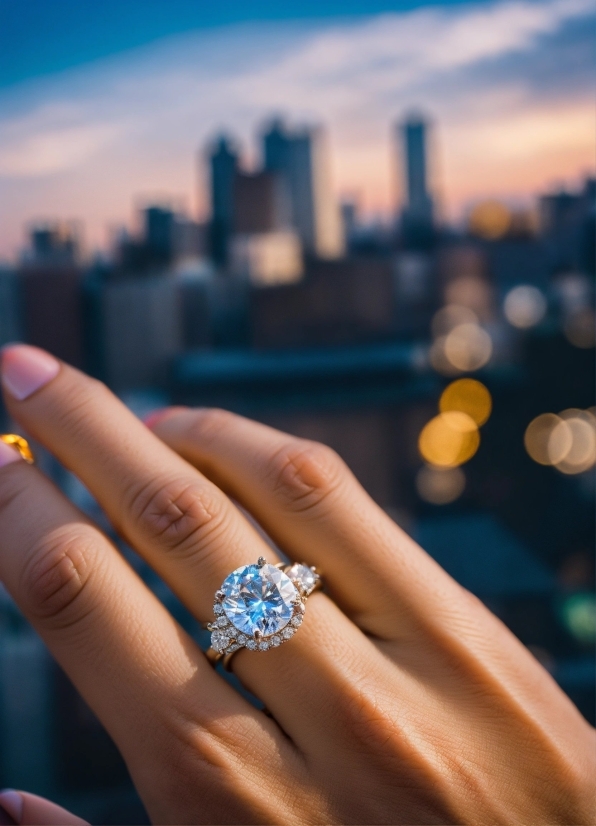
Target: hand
[(400, 700)]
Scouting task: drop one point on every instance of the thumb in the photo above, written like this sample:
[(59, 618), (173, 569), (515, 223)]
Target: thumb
[(30, 810)]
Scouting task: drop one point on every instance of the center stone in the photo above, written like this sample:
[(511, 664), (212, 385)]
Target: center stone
[(258, 599)]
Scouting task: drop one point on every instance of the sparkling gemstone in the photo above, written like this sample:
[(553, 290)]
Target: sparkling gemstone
[(219, 640), (234, 647), (297, 620), (217, 609), (264, 645), (275, 641), (303, 576), (287, 633), (222, 622), (251, 644), (258, 599), (241, 638)]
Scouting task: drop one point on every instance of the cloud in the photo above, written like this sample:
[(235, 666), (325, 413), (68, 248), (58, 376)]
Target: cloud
[(53, 150), (492, 74)]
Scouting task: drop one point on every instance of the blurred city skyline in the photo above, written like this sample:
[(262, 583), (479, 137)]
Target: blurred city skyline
[(507, 84)]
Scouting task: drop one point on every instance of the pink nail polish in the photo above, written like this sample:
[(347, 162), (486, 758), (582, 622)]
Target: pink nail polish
[(8, 454), (151, 419), (155, 416), (12, 803), (26, 369)]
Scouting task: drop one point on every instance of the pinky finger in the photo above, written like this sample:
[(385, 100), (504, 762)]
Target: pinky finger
[(29, 809)]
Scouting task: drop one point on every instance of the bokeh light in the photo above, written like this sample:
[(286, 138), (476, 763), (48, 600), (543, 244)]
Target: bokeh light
[(581, 455), (468, 347), (566, 441), (450, 316), (580, 328), (524, 306), (468, 396), (449, 440), (544, 442), (490, 220), (578, 613), (440, 486)]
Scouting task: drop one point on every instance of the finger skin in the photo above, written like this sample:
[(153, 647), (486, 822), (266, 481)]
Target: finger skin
[(190, 532), (37, 811), (311, 505), (143, 676), (183, 525)]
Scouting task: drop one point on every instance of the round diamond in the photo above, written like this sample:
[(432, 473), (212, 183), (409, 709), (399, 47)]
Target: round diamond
[(251, 644), (263, 646), (219, 641), (287, 633), (275, 641), (241, 638), (303, 576), (222, 622), (217, 609), (297, 620), (258, 599)]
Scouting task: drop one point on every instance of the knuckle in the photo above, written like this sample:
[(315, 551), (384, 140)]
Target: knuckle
[(179, 515), (56, 577), (305, 473)]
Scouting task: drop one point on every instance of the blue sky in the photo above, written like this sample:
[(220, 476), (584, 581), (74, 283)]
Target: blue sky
[(106, 105), (45, 36)]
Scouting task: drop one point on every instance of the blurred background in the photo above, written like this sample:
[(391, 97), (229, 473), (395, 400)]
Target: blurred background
[(366, 223)]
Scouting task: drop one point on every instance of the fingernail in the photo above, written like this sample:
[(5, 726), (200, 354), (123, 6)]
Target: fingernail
[(8, 454), (11, 806), (158, 415), (26, 369)]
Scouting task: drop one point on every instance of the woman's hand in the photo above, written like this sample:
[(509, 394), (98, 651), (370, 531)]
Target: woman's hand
[(401, 699)]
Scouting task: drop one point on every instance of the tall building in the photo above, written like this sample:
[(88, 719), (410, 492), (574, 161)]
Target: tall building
[(417, 214), (159, 232), (54, 243), (50, 294), (260, 203), (223, 162), (300, 158), (140, 328), (10, 306)]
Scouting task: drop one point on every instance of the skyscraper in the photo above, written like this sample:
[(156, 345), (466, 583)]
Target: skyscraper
[(223, 162), (417, 214), (299, 158), (159, 232)]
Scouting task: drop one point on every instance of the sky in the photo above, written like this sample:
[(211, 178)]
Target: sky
[(107, 106)]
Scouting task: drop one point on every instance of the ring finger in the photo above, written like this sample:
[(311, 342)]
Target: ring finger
[(185, 527)]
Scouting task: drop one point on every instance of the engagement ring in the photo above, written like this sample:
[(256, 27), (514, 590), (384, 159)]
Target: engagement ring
[(259, 606)]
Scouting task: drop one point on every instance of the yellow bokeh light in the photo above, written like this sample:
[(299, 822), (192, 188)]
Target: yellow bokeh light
[(490, 219), (468, 396), (449, 440), (440, 486), (468, 347)]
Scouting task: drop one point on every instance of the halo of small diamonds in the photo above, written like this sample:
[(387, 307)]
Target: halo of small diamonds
[(260, 606)]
